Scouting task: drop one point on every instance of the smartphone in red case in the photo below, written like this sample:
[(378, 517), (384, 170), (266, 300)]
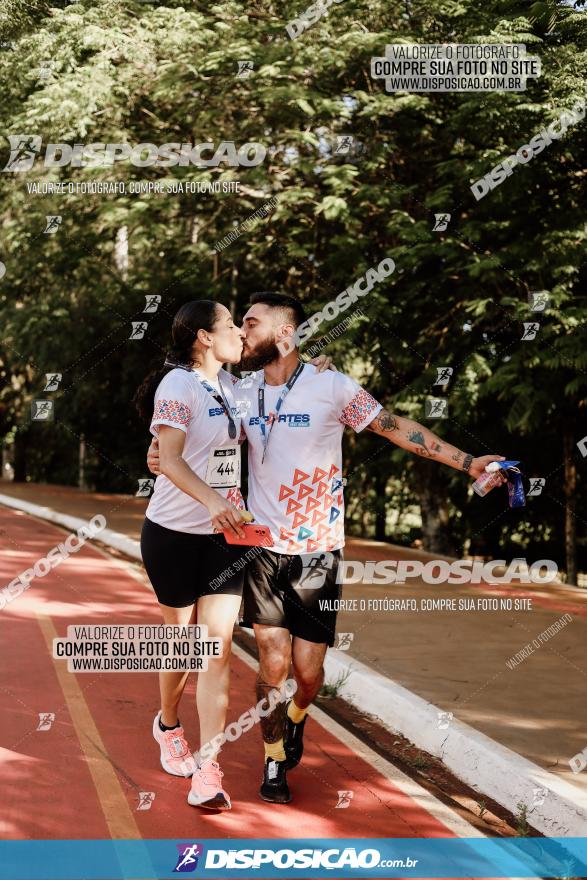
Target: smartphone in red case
[(255, 536)]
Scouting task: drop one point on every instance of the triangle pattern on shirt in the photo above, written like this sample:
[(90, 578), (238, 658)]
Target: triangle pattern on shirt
[(318, 474), (298, 520), (300, 476), (332, 472), (323, 532), (292, 505), (322, 488), (304, 491), (285, 492), (304, 533), (318, 517), (312, 504)]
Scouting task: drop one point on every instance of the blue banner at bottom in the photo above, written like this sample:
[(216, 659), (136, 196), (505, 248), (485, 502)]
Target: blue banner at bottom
[(304, 858)]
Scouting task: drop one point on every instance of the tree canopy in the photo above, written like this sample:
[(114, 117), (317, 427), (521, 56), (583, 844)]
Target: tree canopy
[(129, 72)]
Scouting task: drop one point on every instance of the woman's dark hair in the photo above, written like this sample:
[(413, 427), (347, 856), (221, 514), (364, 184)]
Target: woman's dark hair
[(200, 314)]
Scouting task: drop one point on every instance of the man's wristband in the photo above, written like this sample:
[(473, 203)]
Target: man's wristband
[(467, 463)]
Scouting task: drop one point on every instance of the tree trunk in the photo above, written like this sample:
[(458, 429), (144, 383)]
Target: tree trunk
[(380, 510), (570, 487), (20, 449), (432, 495)]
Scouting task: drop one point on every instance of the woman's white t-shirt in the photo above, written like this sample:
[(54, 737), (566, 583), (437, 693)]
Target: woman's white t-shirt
[(181, 401)]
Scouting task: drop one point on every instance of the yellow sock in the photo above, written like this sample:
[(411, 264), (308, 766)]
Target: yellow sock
[(275, 750), (295, 714)]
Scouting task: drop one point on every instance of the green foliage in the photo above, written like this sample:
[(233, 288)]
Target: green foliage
[(126, 71)]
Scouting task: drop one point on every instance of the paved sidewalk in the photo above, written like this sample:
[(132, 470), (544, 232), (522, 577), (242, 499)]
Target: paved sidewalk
[(456, 660)]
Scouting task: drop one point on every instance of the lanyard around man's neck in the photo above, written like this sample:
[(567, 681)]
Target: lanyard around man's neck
[(266, 434)]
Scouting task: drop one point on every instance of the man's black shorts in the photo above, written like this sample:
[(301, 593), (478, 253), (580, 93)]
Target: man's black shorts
[(183, 567), (288, 591)]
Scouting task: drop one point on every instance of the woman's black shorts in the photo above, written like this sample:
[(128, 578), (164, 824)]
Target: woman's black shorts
[(182, 567)]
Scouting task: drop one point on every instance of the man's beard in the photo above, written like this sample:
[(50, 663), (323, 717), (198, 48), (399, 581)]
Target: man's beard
[(263, 354)]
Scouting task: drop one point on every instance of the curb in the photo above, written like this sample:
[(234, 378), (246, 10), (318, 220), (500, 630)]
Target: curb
[(473, 757), (116, 540), (481, 762)]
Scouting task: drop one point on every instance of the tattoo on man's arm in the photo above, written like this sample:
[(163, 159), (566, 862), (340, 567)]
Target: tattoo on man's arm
[(457, 456), (422, 449), (384, 421), (417, 437)]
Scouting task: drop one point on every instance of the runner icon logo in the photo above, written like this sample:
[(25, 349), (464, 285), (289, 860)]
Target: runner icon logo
[(344, 641), (46, 719), (187, 860), (344, 800), (146, 799), (315, 567)]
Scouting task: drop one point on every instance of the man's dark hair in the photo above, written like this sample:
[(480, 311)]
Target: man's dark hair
[(292, 308)]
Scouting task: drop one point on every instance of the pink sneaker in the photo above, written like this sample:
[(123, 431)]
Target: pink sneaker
[(176, 757), (206, 790)]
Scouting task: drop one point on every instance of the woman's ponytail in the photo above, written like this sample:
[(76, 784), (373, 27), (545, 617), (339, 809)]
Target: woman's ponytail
[(197, 315)]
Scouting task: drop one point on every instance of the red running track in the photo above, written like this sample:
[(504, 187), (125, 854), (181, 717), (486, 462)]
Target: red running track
[(82, 777)]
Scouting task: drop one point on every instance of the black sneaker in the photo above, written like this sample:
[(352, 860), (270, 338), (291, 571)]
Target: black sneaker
[(293, 742), (274, 788)]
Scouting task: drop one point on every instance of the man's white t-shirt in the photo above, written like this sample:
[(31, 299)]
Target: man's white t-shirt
[(181, 401), (298, 490)]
